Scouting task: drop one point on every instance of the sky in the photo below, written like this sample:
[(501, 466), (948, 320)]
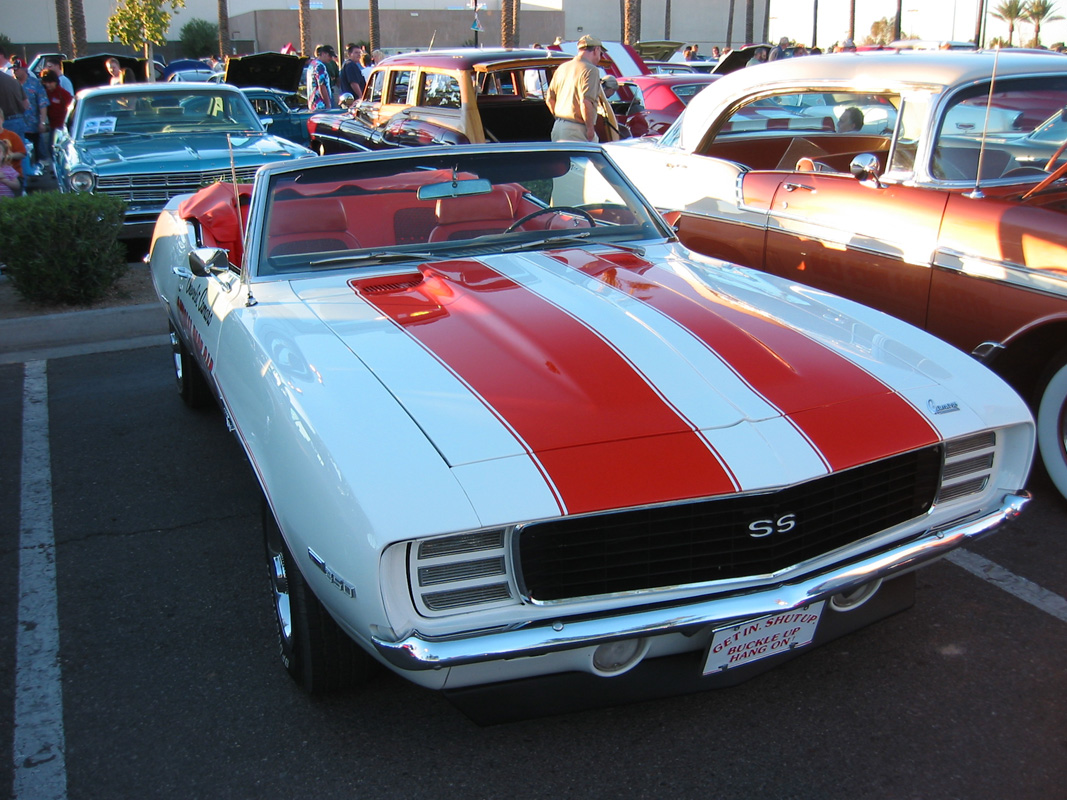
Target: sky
[(926, 19)]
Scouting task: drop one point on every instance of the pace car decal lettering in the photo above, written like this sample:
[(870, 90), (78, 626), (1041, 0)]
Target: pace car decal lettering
[(603, 436), (198, 297), (846, 413), (199, 347)]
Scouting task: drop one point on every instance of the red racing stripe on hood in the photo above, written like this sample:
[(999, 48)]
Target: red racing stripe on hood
[(849, 415), (604, 437)]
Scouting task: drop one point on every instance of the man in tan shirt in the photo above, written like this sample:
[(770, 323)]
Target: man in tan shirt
[(572, 94)]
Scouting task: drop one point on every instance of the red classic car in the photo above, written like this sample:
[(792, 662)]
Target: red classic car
[(928, 185), (659, 99), (462, 96)]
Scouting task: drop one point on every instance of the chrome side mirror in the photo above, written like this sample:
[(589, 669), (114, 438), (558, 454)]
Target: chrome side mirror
[(204, 261), (346, 101), (865, 167)]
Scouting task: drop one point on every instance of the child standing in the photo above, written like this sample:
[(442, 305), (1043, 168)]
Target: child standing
[(10, 186)]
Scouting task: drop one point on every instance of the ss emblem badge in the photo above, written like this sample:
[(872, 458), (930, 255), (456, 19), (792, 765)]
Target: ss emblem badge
[(765, 527)]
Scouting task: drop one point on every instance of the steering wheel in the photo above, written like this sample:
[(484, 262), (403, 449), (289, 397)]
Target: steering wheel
[(551, 210)]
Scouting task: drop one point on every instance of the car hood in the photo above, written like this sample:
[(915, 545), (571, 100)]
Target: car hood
[(587, 360), (271, 70), (162, 154)]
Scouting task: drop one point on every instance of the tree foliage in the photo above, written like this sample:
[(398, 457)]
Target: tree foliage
[(141, 23), (199, 38), (1010, 11), (1037, 13)]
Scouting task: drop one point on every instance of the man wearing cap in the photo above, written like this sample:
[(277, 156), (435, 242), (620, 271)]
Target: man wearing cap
[(320, 95), (572, 94)]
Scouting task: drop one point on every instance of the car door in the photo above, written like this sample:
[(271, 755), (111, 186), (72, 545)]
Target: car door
[(202, 304), (874, 244)]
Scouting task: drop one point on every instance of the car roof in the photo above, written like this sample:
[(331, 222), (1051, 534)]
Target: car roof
[(869, 71), (157, 87), (466, 57), (672, 79)]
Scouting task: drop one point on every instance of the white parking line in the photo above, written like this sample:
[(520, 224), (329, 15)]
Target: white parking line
[(40, 764), (1047, 601)]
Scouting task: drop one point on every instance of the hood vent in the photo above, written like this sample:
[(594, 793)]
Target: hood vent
[(388, 284)]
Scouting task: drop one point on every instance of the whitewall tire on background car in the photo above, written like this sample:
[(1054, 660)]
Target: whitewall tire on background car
[(317, 654), (1052, 426)]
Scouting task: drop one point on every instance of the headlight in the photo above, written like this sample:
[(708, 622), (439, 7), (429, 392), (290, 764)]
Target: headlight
[(82, 181)]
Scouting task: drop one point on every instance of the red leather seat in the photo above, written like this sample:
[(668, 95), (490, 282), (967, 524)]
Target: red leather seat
[(310, 225), (472, 216)]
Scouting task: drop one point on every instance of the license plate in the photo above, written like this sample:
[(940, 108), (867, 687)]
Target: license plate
[(760, 638)]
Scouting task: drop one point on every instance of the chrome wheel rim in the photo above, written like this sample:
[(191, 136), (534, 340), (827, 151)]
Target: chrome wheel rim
[(280, 588), (176, 354)]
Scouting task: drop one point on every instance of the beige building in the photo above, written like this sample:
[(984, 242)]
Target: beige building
[(404, 24)]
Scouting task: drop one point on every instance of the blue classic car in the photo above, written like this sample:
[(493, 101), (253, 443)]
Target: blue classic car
[(149, 142)]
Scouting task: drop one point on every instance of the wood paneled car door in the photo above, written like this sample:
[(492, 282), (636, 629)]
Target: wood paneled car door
[(868, 243)]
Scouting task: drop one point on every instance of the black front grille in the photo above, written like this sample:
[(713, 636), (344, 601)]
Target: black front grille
[(710, 540)]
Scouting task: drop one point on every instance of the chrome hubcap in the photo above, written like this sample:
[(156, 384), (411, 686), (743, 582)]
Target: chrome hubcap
[(176, 353), (280, 586)]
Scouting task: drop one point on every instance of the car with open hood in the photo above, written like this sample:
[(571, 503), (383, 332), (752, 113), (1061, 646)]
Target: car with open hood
[(149, 142), (930, 185), (272, 83), (517, 443), (461, 96)]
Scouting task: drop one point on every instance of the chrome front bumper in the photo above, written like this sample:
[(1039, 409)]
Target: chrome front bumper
[(418, 653)]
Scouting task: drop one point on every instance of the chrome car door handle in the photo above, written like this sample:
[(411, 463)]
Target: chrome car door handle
[(792, 187)]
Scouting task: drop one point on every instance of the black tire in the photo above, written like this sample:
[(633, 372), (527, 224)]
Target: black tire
[(1052, 425), (192, 385), (316, 653)]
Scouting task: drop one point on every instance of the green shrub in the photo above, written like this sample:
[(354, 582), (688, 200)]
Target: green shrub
[(62, 248)]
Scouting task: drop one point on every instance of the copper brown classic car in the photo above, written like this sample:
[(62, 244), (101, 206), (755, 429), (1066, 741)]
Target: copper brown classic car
[(858, 173), (441, 97)]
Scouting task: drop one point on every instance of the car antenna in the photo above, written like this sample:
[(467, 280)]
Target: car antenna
[(977, 194), (250, 301)]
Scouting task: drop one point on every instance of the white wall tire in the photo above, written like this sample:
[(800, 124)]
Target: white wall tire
[(1052, 428)]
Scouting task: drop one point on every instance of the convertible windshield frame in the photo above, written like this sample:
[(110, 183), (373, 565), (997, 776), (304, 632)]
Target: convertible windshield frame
[(355, 212)]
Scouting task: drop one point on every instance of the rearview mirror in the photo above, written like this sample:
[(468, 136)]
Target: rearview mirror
[(456, 188)]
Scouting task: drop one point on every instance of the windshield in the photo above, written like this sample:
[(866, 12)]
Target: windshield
[(147, 112), (374, 211)]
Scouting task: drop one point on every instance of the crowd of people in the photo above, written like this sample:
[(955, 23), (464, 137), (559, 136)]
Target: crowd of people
[(327, 81), (32, 108)]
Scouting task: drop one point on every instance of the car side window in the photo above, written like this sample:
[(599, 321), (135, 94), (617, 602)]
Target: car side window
[(374, 91), (439, 91), (399, 87), (1006, 132)]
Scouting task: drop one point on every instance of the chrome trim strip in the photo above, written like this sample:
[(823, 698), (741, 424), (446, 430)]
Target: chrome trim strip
[(419, 653)]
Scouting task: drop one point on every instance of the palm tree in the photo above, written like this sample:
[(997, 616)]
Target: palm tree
[(1038, 12), (632, 28), (1010, 11), (372, 25), (667, 19), (506, 10), (63, 25), (224, 28), (80, 45), (730, 25), (852, 20), (515, 22), (304, 14), (750, 12), (978, 20)]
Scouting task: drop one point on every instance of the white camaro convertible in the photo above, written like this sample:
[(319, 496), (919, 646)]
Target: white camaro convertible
[(514, 439)]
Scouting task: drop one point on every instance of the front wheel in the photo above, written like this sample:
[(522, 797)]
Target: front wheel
[(192, 385), (316, 653), (1052, 427)]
